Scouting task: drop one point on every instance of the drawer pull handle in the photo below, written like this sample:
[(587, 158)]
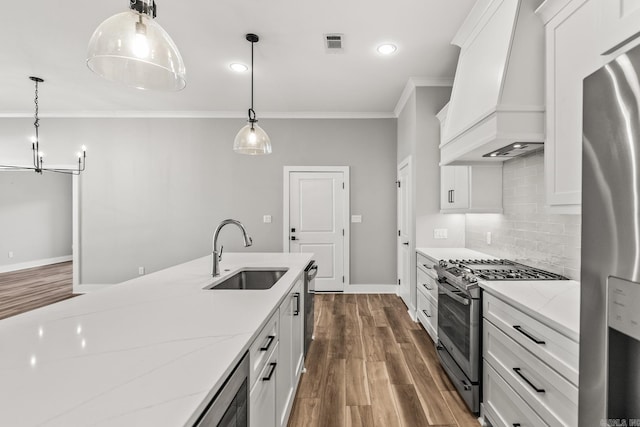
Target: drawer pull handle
[(528, 335), (273, 368), (428, 288), (425, 313), (520, 374), (270, 339), (296, 311), (516, 424), (427, 267)]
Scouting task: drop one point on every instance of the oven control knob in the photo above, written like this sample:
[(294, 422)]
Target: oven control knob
[(442, 263)]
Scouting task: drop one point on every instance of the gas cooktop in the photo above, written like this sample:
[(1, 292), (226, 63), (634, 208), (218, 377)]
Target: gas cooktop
[(496, 269)]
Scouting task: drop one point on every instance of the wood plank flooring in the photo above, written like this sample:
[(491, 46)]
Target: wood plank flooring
[(32, 288), (370, 365)]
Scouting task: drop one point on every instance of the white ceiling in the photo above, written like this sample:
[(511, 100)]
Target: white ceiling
[(293, 74)]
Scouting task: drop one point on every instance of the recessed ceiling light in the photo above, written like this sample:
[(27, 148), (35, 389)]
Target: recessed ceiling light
[(239, 68), (387, 48)]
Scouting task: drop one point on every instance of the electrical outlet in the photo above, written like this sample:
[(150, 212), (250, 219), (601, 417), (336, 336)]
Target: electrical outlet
[(266, 219), (356, 218), (10, 254), (488, 237), (440, 233), (140, 271)]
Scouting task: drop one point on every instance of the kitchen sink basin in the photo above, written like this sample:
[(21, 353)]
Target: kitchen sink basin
[(251, 279)]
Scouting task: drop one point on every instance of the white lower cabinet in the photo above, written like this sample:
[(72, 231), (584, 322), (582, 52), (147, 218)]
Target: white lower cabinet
[(503, 407), (528, 369), (263, 394), (427, 303), (291, 349), (277, 360)]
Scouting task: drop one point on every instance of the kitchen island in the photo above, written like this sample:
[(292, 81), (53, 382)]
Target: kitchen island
[(150, 351)]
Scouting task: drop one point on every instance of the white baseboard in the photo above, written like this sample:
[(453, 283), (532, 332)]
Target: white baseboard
[(85, 289), (35, 263), (370, 289)]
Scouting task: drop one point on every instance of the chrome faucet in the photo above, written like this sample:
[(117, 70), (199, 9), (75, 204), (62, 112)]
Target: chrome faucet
[(215, 269)]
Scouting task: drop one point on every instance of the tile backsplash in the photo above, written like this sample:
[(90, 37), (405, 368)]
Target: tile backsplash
[(526, 232)]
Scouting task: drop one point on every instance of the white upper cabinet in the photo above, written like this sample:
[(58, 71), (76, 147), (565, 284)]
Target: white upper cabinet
[(572, 54), (471, 189), (498, 90), (620, 24)]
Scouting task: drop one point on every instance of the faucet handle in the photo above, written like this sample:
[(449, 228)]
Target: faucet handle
[(220, 254)]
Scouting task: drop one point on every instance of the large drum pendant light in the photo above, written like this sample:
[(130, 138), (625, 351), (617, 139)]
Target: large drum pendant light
[(133, 49), (252, 139)]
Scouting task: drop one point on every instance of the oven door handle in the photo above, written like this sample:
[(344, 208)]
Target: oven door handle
[(455, 297)]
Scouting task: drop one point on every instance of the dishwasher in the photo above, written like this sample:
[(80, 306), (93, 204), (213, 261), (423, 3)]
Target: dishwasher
[(310, 273)]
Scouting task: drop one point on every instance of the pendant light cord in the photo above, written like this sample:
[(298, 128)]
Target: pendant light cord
[(37, 160), (251, 112)]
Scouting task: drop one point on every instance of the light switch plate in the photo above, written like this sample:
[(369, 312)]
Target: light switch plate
[(266, 219), (356, 218), (440, 233), (140, 271)]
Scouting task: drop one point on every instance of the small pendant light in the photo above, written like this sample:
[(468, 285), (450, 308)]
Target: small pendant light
[(132, 48), (252, 139)]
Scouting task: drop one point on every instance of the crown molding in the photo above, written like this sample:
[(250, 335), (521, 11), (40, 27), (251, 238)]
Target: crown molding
[(201, 115), (415, 82)]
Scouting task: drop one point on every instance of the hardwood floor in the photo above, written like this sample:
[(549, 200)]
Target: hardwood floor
[(371, 365), (26, 290)]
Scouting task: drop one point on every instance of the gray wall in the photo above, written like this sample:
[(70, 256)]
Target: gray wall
[(155, 189), (419, 137), (525, 231), (35, 216), (430, 100)]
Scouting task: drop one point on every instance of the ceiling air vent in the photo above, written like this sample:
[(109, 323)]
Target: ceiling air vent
[(333, 43)]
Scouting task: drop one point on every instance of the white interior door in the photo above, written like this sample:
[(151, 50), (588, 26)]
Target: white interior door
[(404, 231), (317, 207)]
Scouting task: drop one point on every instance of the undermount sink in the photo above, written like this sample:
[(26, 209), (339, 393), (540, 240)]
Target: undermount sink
[(250, 279)]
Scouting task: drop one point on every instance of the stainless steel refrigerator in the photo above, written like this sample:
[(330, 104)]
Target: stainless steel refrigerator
[(610, 283)]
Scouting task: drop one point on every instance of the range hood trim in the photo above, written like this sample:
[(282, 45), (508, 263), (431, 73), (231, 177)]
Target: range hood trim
[(468, 140)]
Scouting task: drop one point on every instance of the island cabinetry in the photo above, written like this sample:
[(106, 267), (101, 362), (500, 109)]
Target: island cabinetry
[(530, 370), (290, 351), (263, 393)]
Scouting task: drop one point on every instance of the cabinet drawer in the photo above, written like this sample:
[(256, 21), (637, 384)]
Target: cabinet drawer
[(555, 349), (262, 347), (426, 264), (263, 394), (428, 315), (550, 395), (502, 405), (427, 286)]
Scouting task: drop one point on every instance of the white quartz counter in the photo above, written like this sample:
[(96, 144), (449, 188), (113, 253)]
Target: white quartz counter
[(555, 303), (446, 254), (151, 351)]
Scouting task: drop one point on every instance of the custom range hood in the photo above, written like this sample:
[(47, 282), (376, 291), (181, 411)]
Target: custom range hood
[(496, 110)]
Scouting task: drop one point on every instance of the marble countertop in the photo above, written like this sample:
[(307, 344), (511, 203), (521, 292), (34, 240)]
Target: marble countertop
[(555, 303), (451, 253), (150, 351)]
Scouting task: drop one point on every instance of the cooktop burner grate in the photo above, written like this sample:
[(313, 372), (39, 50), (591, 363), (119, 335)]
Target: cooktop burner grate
[(502, 269)]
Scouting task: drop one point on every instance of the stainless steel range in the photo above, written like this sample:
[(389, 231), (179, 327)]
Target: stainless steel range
[(460, 316)]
